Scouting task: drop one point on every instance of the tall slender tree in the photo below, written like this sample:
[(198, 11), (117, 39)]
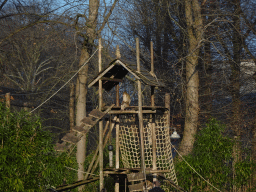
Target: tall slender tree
[(194, 23)]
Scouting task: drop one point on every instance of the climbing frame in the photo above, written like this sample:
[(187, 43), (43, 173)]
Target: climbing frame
[(130, 145)]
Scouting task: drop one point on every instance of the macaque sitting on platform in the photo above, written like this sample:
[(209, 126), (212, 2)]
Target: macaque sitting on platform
[(126, 100)]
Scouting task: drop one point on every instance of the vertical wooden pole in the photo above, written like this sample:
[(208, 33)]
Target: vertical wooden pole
[(153, 126), (117, 153), (140, 111), (138, 54), (96, 153), (167, 105), (152, 98), (117, 139), (118, 56), (117, 95), (100, 124), (152, 57), (104, 145), (8, 100), (152, 72)]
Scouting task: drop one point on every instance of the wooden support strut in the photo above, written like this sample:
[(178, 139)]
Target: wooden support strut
[(100, 123), (152, 116), (95, 154), (117, 152), (140, 112), (117, 132), (105, 143)]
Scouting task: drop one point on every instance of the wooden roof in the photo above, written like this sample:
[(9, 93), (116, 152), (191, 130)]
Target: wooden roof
[(117, 70)]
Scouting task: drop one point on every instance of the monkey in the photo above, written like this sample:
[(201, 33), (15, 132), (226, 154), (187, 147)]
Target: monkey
[(148, 184), (126, 100)]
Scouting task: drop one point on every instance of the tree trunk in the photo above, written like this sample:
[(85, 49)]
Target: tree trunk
[(235, 85), (81, 93), (194, 29), (81, 88)]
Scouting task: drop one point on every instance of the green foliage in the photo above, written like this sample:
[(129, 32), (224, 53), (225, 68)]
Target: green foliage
[(212, 158), (28, 161), (244, 170)]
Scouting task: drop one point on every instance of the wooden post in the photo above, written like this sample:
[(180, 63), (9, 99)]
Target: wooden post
[(152, 72), (117, 152), (100, 124), (95, 155), (167, 105), (153, 125), (117, 139), (138, 54), (153, 131), (152, 98), (117, 95), (104, 145), (118, 56), (140, 111), (152, 57), (8, 100)]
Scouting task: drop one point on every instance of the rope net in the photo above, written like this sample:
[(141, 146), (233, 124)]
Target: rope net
[(130, 143)]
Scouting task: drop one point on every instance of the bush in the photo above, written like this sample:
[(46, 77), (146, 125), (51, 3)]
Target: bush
[(211, 157), (28, 161)]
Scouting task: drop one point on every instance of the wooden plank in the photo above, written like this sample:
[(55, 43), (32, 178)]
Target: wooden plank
[(135, 177), (62, 146), (101, 75), (119, 112), (111, 79), (76, 184), (71, 138), (82, 129), (97, 114), (136, 187), (128, 69), (89, 121)]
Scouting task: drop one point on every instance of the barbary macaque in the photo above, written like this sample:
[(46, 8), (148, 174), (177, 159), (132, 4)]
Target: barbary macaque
[(126, 100), (149, 185)]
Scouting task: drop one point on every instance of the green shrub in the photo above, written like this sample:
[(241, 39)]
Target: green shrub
[(28, 161), (212, 158)]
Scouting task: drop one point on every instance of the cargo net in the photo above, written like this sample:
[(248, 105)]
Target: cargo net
[(130, 143)]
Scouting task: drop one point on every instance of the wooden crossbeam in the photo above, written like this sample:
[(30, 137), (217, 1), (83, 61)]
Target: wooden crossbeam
[(136, 177), (76, 184), (110, 79)]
